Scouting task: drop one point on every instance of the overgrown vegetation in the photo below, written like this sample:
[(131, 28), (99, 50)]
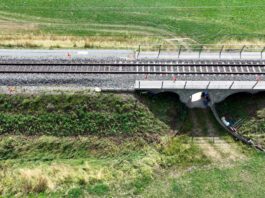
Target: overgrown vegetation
[(129, 162), (89, 165), (251, 110), (64, 115)]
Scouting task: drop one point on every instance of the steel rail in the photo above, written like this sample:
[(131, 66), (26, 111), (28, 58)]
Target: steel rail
[(133, 64), (104, 72), (134, 72), (181, 62)]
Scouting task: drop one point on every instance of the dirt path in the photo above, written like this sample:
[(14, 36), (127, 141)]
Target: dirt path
[(203, 141), (228, 149), (210, 140)]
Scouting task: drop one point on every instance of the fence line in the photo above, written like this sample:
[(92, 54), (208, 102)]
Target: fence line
[(200, 48)]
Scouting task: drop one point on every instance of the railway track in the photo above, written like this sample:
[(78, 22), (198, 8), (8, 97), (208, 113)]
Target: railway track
[(179, 67)]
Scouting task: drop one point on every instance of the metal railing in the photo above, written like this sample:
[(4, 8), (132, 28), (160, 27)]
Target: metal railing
[(200, 85), (200, 48)]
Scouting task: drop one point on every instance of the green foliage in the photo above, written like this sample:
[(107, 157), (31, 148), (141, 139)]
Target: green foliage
[(68, 115), (140, 183), (223, 182), (98, 189), (50, 148), (75, 193), (180, 151), (83, 166)]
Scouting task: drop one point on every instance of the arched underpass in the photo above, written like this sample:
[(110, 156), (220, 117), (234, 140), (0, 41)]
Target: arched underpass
[(242, 107), (205, 130), (218, 90)]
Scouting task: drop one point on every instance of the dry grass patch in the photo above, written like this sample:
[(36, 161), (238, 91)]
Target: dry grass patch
[(52, 41), (252, 45), (50, 178), (34, 181)]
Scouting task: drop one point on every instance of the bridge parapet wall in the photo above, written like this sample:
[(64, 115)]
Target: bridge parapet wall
[(218, 90)]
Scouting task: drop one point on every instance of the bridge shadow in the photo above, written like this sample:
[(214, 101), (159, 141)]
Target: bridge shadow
[(241, 105), (166, 106), (202, 123), (199, 123)]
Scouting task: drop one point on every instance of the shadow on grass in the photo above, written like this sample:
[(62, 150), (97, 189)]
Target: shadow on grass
[(167, 107)]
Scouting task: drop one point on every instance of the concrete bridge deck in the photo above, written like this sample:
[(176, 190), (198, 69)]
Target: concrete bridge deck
[(218, 90)]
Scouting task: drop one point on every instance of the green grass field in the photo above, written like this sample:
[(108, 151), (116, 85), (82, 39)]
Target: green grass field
[(125, 24)]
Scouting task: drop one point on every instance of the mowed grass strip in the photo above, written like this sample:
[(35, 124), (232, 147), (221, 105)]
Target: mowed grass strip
[(201, 22)]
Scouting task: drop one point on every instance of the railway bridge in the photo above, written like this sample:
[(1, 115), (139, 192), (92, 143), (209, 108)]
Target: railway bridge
[(190, 91), (187, 75)]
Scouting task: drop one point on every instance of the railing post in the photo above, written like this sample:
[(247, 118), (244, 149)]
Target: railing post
[(220, 53), (242, 51), (139, 50), (258, 79), (232, 85), (255, 85), (185, 85), (159, 50), (180, 48), (162, 85), (208, 85), (200, 51), (139, 84), (261, 53)]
